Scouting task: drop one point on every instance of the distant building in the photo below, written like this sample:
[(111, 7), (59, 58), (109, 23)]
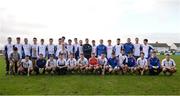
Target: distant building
[(160, 47), (176, 46)]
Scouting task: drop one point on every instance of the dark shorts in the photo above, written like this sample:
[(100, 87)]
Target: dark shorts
[(87, 56), (136, 57), (61, 71), (25, 70), (34, 58), (50, 55), (153, 71), (23, 57), (41, 66)]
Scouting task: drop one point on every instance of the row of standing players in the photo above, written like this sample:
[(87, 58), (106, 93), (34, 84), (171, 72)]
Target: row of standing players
[(120, 57)]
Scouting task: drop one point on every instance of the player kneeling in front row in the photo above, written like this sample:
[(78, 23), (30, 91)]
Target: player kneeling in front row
[(61, 67), (93, 66), (113, 64), (40, 65), (154, 64), (82, 64), (142, 64), (25, 66), (123, 60), (168, 65), (102, 61), (51, 65), (71, 64), (14, 61), (131, 65)]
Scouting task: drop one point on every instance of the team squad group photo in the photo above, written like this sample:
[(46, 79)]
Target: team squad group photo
[(84, 57)]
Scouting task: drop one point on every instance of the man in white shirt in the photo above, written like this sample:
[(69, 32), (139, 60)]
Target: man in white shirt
[(123, 60), (109, 49), (42, 49), (8, 48), (142, 64), (82, 63), (71, 63), (14, 59), (94, 47), (34, 51), (168, 65), (64, 52), (118, 47), (137, 48), (58, 48), (26, 48), (76, 48), (80, 47), (51, 65), (51, 48), (25, 66), (147, 49), (102, 61), (61, 67), (70, 47), (63, 41), (18, 45)]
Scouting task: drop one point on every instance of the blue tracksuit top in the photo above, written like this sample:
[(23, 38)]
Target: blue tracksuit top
[(154, 62), (101, 49), (128, 47), (131, 62), (41, 63), (113, 62)]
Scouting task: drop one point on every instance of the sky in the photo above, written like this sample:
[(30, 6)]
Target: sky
[(157, 20)]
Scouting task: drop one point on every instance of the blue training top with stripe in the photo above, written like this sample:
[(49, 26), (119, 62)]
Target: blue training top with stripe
[(154, 62), (101, 49), (131, 62), (113, 62), (128, 47)]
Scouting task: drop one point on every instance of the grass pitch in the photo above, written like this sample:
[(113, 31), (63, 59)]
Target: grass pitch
[(90, 84)]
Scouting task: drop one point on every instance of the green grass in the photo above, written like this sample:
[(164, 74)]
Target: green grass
[(90, 84)]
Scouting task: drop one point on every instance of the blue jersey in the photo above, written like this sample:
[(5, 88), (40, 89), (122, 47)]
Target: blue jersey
[(113, 62), (154, 62), (131, 62), (41, 63), (128, 47), (101, 49)]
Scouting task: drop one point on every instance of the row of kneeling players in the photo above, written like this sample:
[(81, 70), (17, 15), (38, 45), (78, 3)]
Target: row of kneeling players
[(122, 64)]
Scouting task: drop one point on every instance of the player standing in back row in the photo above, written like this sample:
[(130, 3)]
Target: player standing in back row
[(87, 49), (118, 47), (42, 49), (76, 48), (18, 45), (137, 48), (101, 49), (26, 49), (34, 51), (70, 47), (128, 47), (109, 48), (8, 48), (94, 47), (147, 49), (51, 48)]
